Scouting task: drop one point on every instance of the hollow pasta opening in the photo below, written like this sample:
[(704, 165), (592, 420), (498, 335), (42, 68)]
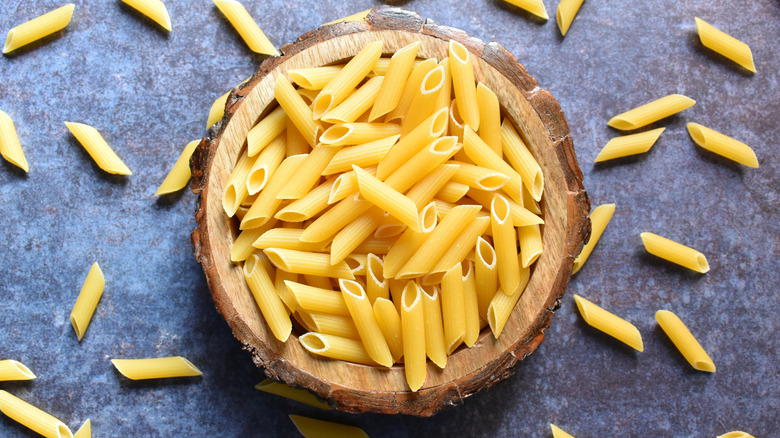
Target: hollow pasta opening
[(257, 179), (439, 123), (492, 182), (433, 81), (336, 133), (322, 104), (9, 41), (499, 208), (313, 342), (701, 261), (352, 287)]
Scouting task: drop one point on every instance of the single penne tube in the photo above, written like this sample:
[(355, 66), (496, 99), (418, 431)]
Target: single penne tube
[(445, 95), (376, 283), (463, 83), (535, 7), (265, 165), (329, 324), (38, 28), (309, 205), (388, 199), (14, 370), (336, 347), (481, 154), (396, 290), (453, 308), (722, 145), (299, 395), (242, 246), (558, 432), (307, 174), (217, 110), (426, 189), (10, 148), (435, 345), (286, 238), (346, 185), (309, 427), (85, 431), (296, 144), (443, 208), (530, 239), (87, 301), (342, 134), (456, 122), (422, 163), (651, 112), (398, 69), (264, 208), (502, 304), (505, 246), (599, 218), (470, 304), (410, 89), (363, 315), (266, 130), (347, 79), (522, 160), (530, 203), (627, 145), (675, 252), (489, 117), (246, 27), (314, 78), (403, 248), (156, 368), (389, 322), (414, 337), (335, 218), (364, 155), (284, 292), (267, 298), (564, 15), (297, 110), (725, 44), (430, 129), (154, 9), (736, 434), (374, 245), (609, 323), (520, 215), (452, 192), (479, 177), (485, 274), (353, 233), (180, 174), (424, 100), (31, 417), (464, 243), (312, 263), (684, 341), (356, 104), (236, 192), (318, 299), (98, 149)]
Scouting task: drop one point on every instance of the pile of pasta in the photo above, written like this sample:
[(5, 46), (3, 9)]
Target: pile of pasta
[(386, 207)]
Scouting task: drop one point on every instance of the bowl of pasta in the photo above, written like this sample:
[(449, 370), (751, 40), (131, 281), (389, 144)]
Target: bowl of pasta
[(388, 213)]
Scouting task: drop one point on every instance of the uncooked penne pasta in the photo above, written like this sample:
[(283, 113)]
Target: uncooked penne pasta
[(422, 163), (684, 341), (296, 144), (736, 434), (599, 218), (398, 70), (481, 154), (10, 148), (479, 177), (564, 15), (535, 7), (470, 304), (522, 160), (632, 144), (318, 299), (264, 208), (265, 131), (609, 323), (286, 238), (311, 263), (675, 252), (154, 9), (88, 299), (435, 346), (250, 32), (376, 283), (651, 112), (456, 122), (38, 28), (725, 44), (464, 243), (284, 292), (348, 78), (530, 239), (243, 245), (311, 428), (85, 431), (363, 315), (558, 432), (452, 192), (388, 199), (722, 145), (156, 368), (490, 116), (413, 332), (309, 205), (420, 137), (389, 322), (453, 308), (217, 111), (265, 165), (299, 395), (307, 173), (424, 100), (336, 347), (335, 219), (364, 155), (410, 89), (342, 134), (520, 215), (505, 246), (314, 78), (180, 174), (462, 71), (356, 104), (14, 370), (297, 110), (98, 149), (236, 191), (358, 16), (502, 304), (264, 291), (425, 189), (326, 323), (486, 275), (32, 417)]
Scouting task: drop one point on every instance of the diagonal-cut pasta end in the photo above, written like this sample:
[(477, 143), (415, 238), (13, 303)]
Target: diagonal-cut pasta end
[(558, 432), (562, 26), (622, 124), (736, 434), (63, 431), (77, 327), (703, 266), (85, 431), (9, 41), (26, 372), (537, 186), (704, 365), (696, 133)]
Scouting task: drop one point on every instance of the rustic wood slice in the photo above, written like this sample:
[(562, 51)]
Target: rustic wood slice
[(358, 388)]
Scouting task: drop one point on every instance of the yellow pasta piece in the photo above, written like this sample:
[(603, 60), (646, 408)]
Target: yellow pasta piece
[(318, 299), (10, 148), (456, 122), (363, 315), (265, 165), (309, 205), (349, 237), (651, 112), (520, 215), (154, 9), (522, 160), (486, 275), (357, 133), (250, 32), (156, 368), (348, 78), (286, 238), (325, 323), (85, 431), (422, 163), (424, 100), (311, 428), (242, 246), (264, 291), (180, 174), (376, 283), (236, 191), (32, 417), (629, 145), (530, 203), (296, 144), (435, 346), (421, 136), (675, 252), (425, 189), (479, 177), (453, 308), (599, 218), (410, 89), (504, 241), (444, 97), (374, 245), (535, 7), (267, 202), (346, 185), (14, 370), (388, 199), (38, 28), (403, 248), (357, 16), (299, 395), (530, 239), (414, 336), (481, 154), (364, 155), (558, 432), (490, 116), (722, 145), (336, 218), (470, 304), (311, 263), (335, 347), (217, 111), (297, 110), (308, 172), (463, 83), (389, 322), (98, 149), (564, 15), (736, 434), (88, 299), (398, 70), (725, 44), (356, 104), (265, 131), (609, 323), (284, 292), (464, 243), (502, 304), (684, 341), (452, 192), (314, 78)]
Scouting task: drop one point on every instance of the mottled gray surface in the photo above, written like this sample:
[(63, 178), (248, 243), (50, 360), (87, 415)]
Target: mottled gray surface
[(149, 93)]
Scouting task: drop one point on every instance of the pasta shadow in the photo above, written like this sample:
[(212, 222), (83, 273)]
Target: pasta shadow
[(14, 170), (670, 267), (680, 362), (694, 43), (126, 383), (7, 423), (100, 173), (36, 44), (712, 157), (141, 17), (168, 199), (520, 11)]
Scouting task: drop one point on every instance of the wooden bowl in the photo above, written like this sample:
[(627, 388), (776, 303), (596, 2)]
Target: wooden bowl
[(359, 388)]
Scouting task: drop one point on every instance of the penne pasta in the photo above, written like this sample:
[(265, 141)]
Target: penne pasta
[(349, 237), (398, 70), (335, 347), (376, 283), (180, 174), (32, 417), (155, 368), (424, 100), (462, 245), (357, 133), (599, 218), (98, 149), (363, 315), (38, 28), (403, 248), (348, 78), (435, 346), (486, 275), (422, 163), (388, 199), (535, 7), (736, 434), (453, 308), (651, 112), (217, 111), (490, 117), (483, 156), (609, 323), (522, 160), (725, 44), (311, 263), (530, 203), (358, 16), (336, 218), (684, 341), (374, 245), (470, 305), (558, 432), (425, 189), (14, 370), (265, 165), (242, 247), (10, 148), (297, 110), (356, 104), (530, 239), (421, 136), (456, 122), (264, 207), (246, 27), (267, 298), (311, 428), (364, 155), (236, 191), (520, 215), (314, 78), (479, 177), (85, 431), (307, 173), (504, 241), (629, 145), (722, 145), (309, 205), (444, 97), (410, 89), (299, 395), (414, 337), (675, 252), (318, 299), (389, 322), (502, 304), (87, 301), (452, 192), (266, 130), (285, 238), (154, 9), (325, 323), (296, 144), (463, 83), (564, 15), (284, 292)]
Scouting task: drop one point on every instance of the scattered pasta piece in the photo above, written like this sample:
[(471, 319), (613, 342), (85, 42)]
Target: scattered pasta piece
[(609, 323), (311, 428), (567, 10), (10, 148), (599, 218), (154, 9), (651, 112), (336, 347), (299, 395), (38, 28), (675, 252), (98, 149), (180, 174), (250, 32), (14, 370), (156, 368), (87, 301), (725, 44), (85, 431), (217, 111), (358, 16), (632, 144), (684, 341), (535, 7), (558, 432), (736, 434), (32, 417), (722, 145)]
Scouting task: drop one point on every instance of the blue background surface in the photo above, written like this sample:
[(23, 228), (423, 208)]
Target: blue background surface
[(148, 92)]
